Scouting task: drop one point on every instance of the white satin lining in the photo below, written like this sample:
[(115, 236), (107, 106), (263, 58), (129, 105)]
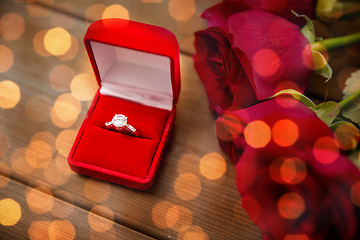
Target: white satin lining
[(134, 75)]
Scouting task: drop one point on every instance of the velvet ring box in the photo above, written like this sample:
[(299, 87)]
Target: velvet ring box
[(138, 71)]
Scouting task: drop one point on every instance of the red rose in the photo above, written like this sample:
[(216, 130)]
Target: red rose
[(218, 14), (256, 55), (293, 179)]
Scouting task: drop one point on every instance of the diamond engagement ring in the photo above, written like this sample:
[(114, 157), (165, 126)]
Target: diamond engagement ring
[(119, 123)]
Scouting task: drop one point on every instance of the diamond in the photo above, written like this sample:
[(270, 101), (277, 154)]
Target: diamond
[(119, 120)]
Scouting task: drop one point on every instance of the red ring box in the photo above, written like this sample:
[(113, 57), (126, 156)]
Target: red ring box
[(138, 70)]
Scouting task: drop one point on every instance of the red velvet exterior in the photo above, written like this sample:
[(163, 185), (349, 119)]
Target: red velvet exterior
[(114, 156)]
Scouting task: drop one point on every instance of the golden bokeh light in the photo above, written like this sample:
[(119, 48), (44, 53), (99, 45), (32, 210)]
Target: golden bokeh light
[(158, 213), (326, 150), (94, 12), (38, 43), (72, 52), (62, 165), (103, 223), (65, 110), (257, 134), (116, 11), (348, 136), (5, 144), (193, 232), (54, 176), (38, 108), (9, 94), (212, 166), (288, 170), (64, 141), (355, 193), (38, 230), (96, 190), (178, 218), (39, 200), (12, 26), (39, 11), (285, 132), (181, 10), (10, 212), (188, 163), (57, 41), (261, 60), (187, 44), (61, 230), (84, 86), (187, 186), (60, 78), (19, 163), (296, 237), (291, 205), (38, 154), (6, 58)]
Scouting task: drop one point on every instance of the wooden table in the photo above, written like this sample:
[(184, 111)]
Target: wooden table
[(194, 195)]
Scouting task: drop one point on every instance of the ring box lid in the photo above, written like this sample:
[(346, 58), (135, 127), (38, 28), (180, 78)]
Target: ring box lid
[(135, 61)]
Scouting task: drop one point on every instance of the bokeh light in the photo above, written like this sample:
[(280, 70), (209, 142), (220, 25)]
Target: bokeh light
[(187, 186), (54, 176), (116, 11), (64, 141), (60, 78), (288, 170), (39, 154), (285, 132), (181, 10), (94, 12), (57, 41), (38, 230), (39, 200), (348, 135), (19, 163), (291, 205), (158, 213), (101, 224), (61, 230), (38, 43), (84, 86), (6, 58), (261, 60), (178, 218), (10, 212), (39, 11), (9, 94), (96, 190), (326, 150), (72, 51), (38, 108), (12, 26), (257, 134), (188, 163), (212, 166), (65, 110), (193, 232), (296, 237), (355, 193)]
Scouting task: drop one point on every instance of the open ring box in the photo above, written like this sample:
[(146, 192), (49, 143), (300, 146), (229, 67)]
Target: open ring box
[(138, 71)]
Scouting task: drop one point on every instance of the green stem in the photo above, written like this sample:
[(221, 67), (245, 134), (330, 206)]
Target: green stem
[(349, 100), (337, 42)]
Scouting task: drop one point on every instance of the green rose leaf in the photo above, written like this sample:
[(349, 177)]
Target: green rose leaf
[(297, 95), (327, 111)]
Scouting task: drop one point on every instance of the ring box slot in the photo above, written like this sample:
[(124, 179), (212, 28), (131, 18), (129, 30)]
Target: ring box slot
[(137, 68)]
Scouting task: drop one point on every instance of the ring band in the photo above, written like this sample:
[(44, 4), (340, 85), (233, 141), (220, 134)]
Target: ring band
[(119, 124)]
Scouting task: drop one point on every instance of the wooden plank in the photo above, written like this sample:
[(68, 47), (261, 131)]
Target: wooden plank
[(31, 213), (186, 199)]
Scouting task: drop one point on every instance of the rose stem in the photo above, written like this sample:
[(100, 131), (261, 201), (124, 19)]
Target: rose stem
[(349, 100), (337, 42)]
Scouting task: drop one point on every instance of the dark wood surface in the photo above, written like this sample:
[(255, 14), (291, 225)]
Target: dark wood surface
[(194, 195)]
